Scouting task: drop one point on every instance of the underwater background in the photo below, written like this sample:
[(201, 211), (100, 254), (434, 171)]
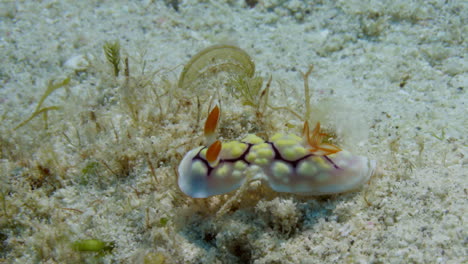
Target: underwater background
[(97, 115)]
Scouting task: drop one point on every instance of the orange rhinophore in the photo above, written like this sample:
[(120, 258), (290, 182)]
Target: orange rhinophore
[(211, 124), (213, 151)]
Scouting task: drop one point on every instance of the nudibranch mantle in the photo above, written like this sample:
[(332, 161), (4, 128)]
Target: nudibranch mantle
[(287, 163)]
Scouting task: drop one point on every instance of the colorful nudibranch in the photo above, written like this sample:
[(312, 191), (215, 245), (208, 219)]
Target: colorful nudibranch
[(287, 163)]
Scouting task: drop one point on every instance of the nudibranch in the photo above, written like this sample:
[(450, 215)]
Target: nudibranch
[(287, 163)]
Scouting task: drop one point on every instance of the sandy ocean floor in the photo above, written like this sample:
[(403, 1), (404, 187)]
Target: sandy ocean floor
[(88, 159)]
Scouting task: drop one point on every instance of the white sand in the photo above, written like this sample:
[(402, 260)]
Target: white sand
[(389, 76)]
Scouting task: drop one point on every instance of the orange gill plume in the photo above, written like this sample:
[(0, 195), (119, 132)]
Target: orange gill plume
[(315, 141)]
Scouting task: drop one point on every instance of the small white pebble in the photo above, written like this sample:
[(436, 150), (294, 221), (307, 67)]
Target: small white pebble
[(77, 63)]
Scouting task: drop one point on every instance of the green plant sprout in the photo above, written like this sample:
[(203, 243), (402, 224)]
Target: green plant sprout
[(51, 87), (442, 135), (112, 52), (442, 138), (214, 59), (248, 89), (305, 77), (92, 245), (154, 258), (4, 206), (234, 68)]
